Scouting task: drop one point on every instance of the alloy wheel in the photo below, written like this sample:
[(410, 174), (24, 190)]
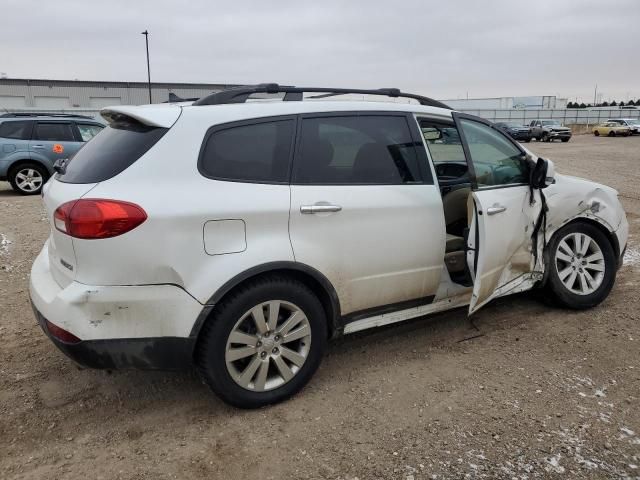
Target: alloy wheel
[(268, 345), (580, 263), (29, 180)]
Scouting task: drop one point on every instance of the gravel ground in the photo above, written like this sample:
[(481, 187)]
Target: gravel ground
[(538, 393)]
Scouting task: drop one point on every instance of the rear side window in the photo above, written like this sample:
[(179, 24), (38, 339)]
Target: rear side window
[(363, 149), (88, 131), (115, 148), (16, 130), (257, 152), (55, 132)]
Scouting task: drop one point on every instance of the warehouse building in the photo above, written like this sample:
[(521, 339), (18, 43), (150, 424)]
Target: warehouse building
[(18, 94), (523, 103)]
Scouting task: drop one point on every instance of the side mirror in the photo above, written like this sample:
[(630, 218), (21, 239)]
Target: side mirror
[(431, 134), (542, 173), (551, 174)]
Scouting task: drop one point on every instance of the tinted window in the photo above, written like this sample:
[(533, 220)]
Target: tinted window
[(55, 132), (111, 151), (496, 160), (88, 131), (16, 130), (356, 150), (251, 153)]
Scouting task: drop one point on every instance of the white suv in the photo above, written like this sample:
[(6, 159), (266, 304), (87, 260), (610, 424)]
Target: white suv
[(238, 236)]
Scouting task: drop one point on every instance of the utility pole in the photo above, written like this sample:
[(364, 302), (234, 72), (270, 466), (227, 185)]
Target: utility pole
[(595, 96), (146, 39)]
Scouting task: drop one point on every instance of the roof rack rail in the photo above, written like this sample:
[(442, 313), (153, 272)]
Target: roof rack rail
[(241, 94), (43, 114)]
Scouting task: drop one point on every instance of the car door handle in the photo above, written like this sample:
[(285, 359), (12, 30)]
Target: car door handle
[(495, 209), (319, 208), (37, 146)]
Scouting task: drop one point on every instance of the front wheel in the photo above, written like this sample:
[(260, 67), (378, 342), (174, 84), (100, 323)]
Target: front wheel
[(612, 133), (596, 133), (263, 343), (582, 266), (565, 140)]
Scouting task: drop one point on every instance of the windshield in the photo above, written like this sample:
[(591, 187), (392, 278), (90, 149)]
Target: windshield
[(551, 122)]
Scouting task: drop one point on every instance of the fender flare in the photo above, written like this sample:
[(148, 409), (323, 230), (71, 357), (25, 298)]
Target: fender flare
[(320, 279)]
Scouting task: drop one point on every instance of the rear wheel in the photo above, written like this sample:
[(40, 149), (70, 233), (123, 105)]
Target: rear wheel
[(565, 140), (612, 133), (28, 178), (596, 133), (582, 266), (263, 343)]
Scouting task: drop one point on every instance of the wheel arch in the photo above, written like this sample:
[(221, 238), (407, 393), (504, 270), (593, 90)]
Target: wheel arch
[(22, 161), (311, 277)]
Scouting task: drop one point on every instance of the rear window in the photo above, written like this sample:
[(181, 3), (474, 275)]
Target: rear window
[(115, 148), (88, 131), (258, 152), (16, 130)]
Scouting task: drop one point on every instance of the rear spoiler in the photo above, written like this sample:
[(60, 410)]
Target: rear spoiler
[(152, 115)]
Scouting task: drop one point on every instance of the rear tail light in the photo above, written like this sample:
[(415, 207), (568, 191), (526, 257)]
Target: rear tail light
[(61, 334), (90, 218)]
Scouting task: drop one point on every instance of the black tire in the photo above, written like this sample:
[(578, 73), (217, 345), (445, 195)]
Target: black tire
[(527, 140), (565, 140), (612, 133), (212, 341), (546, 137), (596, 133), (557, 288), (15, 181)]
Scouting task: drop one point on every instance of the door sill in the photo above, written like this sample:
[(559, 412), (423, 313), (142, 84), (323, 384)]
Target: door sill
[(407, 314)]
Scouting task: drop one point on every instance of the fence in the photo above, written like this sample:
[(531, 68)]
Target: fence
[(574, 116)]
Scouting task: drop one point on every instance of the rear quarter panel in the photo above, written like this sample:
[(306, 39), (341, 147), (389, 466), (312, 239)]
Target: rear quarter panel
[(169, 246)]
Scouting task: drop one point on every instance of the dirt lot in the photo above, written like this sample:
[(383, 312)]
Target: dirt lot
[(541, 393)]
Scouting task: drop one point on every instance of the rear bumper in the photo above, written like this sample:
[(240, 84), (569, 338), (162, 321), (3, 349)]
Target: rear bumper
[(146, 326), (160, 353)]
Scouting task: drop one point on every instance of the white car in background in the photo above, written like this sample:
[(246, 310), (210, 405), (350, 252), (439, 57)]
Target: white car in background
[(240, 236), (632, 123)]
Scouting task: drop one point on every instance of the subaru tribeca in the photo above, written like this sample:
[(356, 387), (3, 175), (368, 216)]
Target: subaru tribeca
[(239, 235)]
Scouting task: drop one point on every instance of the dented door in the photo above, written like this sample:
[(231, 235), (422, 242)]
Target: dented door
[(504, 223), (499, 244)]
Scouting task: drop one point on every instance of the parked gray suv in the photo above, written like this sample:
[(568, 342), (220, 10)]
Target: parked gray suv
[(30, 144)]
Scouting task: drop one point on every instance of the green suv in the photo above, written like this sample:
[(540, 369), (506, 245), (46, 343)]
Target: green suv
[(31, 143)]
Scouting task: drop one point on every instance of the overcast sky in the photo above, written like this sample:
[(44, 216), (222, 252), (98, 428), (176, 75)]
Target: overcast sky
[(443, 49)]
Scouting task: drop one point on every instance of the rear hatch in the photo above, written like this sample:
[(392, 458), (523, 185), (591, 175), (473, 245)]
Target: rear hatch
[(131, 132)]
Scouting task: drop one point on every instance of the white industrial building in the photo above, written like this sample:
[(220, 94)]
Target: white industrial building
[(500, 103), (16, 93)]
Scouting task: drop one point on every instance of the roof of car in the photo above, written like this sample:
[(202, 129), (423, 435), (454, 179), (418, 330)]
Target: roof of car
[(165, 115)]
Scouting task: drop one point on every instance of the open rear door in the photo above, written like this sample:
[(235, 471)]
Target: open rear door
[(502, 218)]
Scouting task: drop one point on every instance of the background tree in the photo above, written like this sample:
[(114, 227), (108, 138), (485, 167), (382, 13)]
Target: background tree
[(582, 105)]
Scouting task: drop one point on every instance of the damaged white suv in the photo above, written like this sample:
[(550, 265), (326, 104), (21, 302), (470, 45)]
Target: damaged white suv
[(239, 234)]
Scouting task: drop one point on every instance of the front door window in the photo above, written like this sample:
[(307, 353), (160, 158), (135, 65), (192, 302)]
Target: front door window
[(496, 161)]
